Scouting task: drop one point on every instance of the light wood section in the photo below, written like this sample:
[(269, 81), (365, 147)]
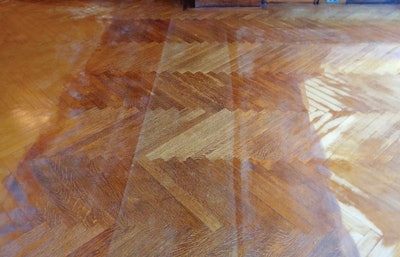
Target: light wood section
[(292, 1), (227, 3), (138, 129)]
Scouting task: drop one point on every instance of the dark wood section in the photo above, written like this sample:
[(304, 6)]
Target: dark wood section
[(133, 128)]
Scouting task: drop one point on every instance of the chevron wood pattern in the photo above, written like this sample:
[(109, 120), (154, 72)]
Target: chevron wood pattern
[(229, 3), (133, 128)]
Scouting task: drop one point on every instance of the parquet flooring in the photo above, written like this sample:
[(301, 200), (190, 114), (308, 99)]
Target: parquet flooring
[(133, 128)]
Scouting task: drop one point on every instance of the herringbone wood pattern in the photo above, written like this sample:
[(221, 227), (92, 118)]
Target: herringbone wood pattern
[(136, 129)]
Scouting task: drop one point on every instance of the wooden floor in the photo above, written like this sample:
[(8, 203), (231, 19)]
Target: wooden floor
[(133, 128)]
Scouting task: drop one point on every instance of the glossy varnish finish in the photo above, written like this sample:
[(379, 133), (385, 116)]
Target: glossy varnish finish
[(136, 129), (227, 3)]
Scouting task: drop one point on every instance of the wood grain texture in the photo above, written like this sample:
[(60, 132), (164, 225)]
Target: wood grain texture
[(134, 128), (227, 3)]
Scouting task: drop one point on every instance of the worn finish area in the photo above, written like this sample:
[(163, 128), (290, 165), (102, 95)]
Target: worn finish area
[(134, 128)]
